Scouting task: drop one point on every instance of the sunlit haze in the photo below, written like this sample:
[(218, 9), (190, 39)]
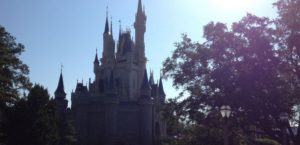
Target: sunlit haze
[(68, 32), (236, 6)]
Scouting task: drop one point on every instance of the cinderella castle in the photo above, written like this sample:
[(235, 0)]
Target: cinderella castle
[(121, 106)]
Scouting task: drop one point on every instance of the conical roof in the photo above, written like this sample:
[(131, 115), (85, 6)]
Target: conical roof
[(161, 88), (145, 84), (106, 29), (151, 79), (60, 91), (96, 59)]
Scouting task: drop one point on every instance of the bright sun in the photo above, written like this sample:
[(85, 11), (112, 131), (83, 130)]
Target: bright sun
[(232, 5)]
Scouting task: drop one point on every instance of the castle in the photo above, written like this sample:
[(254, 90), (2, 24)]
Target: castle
[(121, 106)]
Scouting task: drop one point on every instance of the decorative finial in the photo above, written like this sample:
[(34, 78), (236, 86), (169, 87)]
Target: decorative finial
[(111, 28), (106, 29), (61, 68), (120, 25), (106, 11)]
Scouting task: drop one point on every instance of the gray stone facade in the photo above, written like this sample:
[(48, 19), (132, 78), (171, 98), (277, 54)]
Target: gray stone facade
[(121, 106)]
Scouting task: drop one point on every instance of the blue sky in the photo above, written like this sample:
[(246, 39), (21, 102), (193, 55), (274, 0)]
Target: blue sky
[(68, 32)]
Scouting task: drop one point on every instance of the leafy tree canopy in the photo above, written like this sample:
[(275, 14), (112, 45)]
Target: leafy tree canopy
[(13, 72), (253, 66), (32, 120)]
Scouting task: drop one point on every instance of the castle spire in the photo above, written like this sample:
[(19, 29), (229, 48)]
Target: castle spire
[(140, 29), (96, 61), (120, 29), (60, 92), (106, 29), (145, 84), (140, 9), (111, 27), (151, 79), (161, 88)]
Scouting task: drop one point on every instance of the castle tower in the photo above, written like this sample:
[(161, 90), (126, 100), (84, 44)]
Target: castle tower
[(140, 29), (121, 105), (146, 112), (96, 63), (108, 54), (60, 98), (161, 91)]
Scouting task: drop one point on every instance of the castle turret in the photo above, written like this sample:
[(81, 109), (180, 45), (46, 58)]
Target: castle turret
[(146, 112), (108, 54), (60, 92), (106, 28), (145, 87), (140, 29), (151, 79), (96, 63), (161, 91), (60, 98)]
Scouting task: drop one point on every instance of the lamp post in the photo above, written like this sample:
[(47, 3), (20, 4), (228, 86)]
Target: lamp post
[(225, 112), (284, 117)]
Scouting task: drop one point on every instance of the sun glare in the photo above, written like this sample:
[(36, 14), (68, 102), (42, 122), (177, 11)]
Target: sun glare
[(232, 5)]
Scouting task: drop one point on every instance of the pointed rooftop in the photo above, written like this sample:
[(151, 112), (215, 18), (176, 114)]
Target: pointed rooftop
[(106, 29), (151, 79), (96, 58), (60, 91), (120, 30), (140, 14), (140, 8), (145, 84), (161, 88), (111, 27)]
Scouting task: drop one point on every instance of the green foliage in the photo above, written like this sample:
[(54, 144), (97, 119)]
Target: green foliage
[(66, 133), (288, 29), (13, 73), (26, 120), (201, 129), (250, 67), (170, 114), (32, 120)]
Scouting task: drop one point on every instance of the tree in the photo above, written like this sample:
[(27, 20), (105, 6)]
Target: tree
[(288, 24), (196, 131), (240, 67), (32, 120), (67, 134), (13, 72)]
